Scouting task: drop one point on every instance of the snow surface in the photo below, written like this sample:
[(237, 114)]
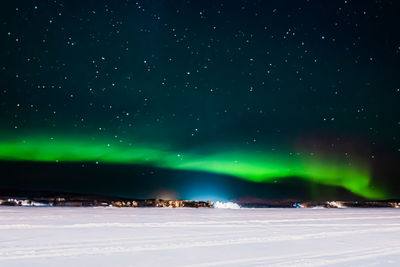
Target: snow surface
[(50, 236)]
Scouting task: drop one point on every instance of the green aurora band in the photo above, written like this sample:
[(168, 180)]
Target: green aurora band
[(244, 164)]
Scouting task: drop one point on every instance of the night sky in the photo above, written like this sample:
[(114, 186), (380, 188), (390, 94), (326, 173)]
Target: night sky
[(201, 99)]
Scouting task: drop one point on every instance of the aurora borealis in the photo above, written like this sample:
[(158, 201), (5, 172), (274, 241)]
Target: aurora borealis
[(256, 167), (247, 95)]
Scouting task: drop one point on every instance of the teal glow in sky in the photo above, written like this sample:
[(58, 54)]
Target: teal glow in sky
[(257, 90)]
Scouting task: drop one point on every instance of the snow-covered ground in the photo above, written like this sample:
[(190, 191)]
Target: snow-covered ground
[(45, 236)]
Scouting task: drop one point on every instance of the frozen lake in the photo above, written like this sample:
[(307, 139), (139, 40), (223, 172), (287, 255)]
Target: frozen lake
[(43, 236)]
